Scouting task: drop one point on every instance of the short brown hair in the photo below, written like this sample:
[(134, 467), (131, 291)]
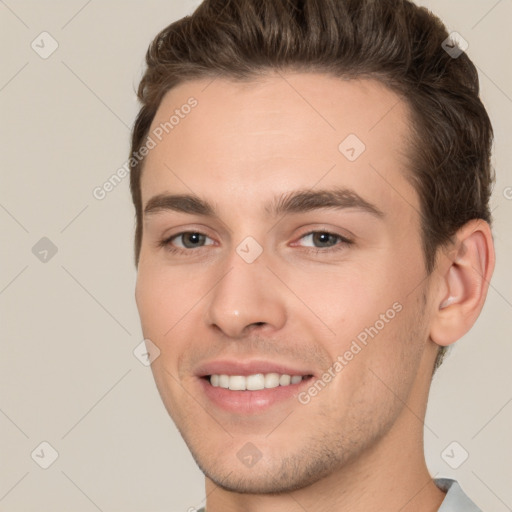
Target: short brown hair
[(393, 41)]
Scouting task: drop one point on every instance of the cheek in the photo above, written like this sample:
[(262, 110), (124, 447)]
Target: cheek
[(369, 309), (168, 301), (156, 298), (379, 364), (347, 299)]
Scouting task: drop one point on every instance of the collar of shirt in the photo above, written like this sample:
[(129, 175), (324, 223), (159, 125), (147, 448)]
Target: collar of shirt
[(456, 499)]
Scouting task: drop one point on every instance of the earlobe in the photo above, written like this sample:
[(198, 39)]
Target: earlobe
[(464, 283)]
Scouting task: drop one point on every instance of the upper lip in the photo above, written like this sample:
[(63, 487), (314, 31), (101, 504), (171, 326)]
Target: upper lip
[(248, 367)]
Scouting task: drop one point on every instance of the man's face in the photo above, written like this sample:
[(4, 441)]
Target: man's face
[(258, 286)]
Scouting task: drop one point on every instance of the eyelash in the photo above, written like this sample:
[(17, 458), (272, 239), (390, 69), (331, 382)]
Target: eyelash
[(344, 242)]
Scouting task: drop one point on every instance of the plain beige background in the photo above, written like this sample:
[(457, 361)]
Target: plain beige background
[(68, 375)]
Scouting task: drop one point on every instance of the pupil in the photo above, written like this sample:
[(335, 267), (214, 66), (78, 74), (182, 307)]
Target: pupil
[(323, 238), (194, 238)]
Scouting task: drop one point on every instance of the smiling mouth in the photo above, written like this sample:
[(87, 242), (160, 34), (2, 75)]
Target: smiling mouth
[(255, 382)]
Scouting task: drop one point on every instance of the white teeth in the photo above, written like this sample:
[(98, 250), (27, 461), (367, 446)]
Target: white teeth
[(284, 380), (272, 380), (237, 383), (253, 382), (224, 381)]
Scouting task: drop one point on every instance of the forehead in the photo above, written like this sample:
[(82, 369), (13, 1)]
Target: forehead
[(278, 132)]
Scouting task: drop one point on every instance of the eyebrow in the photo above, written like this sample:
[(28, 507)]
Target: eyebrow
[(298, 201)]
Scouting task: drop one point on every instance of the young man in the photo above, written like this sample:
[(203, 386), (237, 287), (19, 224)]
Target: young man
[(311, 183)]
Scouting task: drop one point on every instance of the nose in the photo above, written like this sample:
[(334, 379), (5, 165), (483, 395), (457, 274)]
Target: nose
[(246, 297)]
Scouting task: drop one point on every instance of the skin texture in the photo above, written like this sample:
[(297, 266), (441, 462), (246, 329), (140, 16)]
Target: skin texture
[(357, 444)]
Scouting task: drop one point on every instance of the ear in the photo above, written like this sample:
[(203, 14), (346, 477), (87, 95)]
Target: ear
[(463, 276)]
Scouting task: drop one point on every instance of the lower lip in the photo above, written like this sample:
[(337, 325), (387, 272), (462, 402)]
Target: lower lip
[(251, 402)]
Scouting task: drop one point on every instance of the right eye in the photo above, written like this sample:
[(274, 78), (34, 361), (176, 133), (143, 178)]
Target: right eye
[(186, 240)]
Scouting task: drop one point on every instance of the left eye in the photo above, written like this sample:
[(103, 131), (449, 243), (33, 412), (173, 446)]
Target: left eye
[(324, 239)]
